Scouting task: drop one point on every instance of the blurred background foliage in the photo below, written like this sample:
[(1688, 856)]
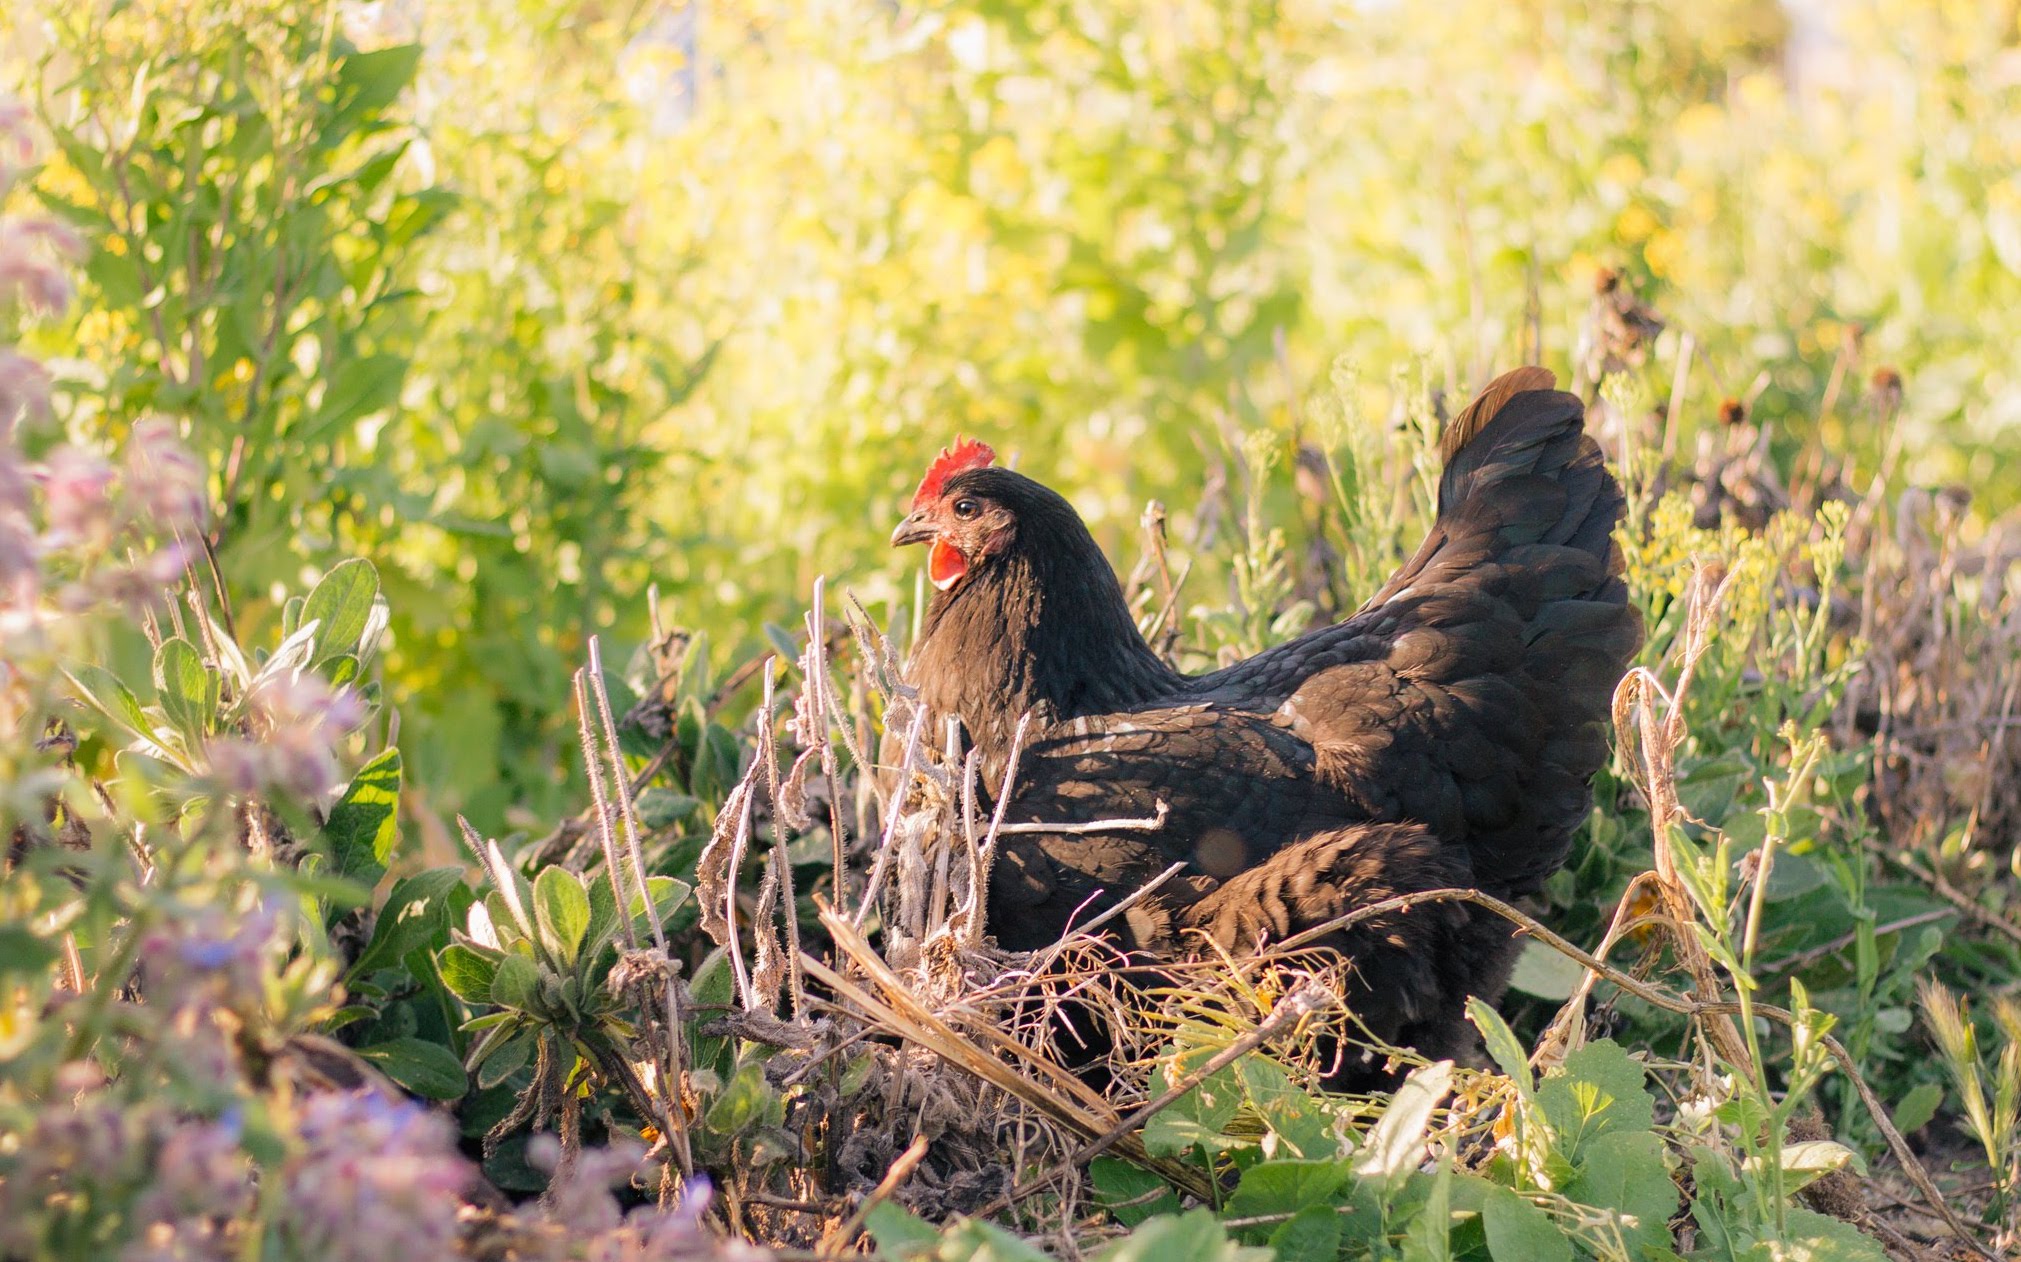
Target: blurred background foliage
[(542, 303)]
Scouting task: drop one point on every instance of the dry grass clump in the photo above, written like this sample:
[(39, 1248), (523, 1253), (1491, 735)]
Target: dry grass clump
[(937, 1069)]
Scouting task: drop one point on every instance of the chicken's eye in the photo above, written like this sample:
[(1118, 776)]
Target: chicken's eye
[(966, 508)]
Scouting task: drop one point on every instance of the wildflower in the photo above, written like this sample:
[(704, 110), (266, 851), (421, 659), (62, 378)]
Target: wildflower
[(201, 1183), (24, 390), (299, 718), (210, 955), (17, 136), (366, 1160), (30, 270), (20, 572), (74, 499), (144, 585), (164, 480)]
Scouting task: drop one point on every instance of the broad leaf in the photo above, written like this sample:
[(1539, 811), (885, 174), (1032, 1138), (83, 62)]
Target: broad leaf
[(414, 917), (1195, 1236), (1286, 1187), (1598, 1092), (898, 1231), (187, 688), (360, 386), (1625, 1173), (425, 1068), (341, 606), (1520, 1232), (1129, 1192), (561, 912), (1396, 1141), (365, 822), (1502, 1045), (515, 983), (467, 972)]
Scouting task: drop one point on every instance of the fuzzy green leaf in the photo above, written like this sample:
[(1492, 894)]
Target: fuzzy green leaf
[(187, 688), (365, 822), (561, 912), (341, 607), (468, 972), (425, 1068), (413, 918)]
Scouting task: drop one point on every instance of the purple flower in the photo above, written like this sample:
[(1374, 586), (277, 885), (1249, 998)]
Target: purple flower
[(375, 1180), (166, 482), (24, 390), (74, 486), (30, 270), (298, 719), (17, 135)]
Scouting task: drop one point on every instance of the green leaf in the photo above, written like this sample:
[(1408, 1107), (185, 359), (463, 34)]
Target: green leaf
[(1201, 1116), (1129, 1192), (1813, 1237), (668, 894), (468, 972), (1520, 1232), (1918, 1106), (341, 607), (378, 77), (187, 688), (1545, 972), (977, 1241), (743, 1102), (506, 1059), (663, 808), (412, 918), (1310, 1235), (1598, 1092), (103, 691), (1502, 1045), (515, 983), (427, 1069), (1295, 1117), (22, 952), (1625, 1173), (1195, 1236), (1808, 1161), (360, 387), (1430, 1235), (561, 911), (1286, 1187), (603, 914), (365, 823), (1396, 1141), (898, 1231)]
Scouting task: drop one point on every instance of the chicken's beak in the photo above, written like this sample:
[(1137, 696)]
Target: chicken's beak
[(914, 529)]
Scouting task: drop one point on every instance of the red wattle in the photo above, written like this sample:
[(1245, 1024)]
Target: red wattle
[(945, 565)]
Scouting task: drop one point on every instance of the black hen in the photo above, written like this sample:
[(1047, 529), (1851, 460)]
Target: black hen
[(1443, 736)]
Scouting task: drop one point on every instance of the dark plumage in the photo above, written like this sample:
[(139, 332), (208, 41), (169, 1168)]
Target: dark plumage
[(1444, 735)]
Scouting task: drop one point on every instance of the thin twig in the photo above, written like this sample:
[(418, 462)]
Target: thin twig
[(1152, 824)]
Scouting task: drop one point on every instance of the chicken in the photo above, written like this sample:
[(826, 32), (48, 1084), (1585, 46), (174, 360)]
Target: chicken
[(1444, 735)]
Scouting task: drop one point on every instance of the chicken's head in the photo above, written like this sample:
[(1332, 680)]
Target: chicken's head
[(953, 512)]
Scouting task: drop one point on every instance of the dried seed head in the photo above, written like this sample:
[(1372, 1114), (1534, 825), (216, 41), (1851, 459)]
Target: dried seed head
[(1732, 412)]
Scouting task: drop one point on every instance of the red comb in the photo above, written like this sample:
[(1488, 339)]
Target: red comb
[(968, 453)]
